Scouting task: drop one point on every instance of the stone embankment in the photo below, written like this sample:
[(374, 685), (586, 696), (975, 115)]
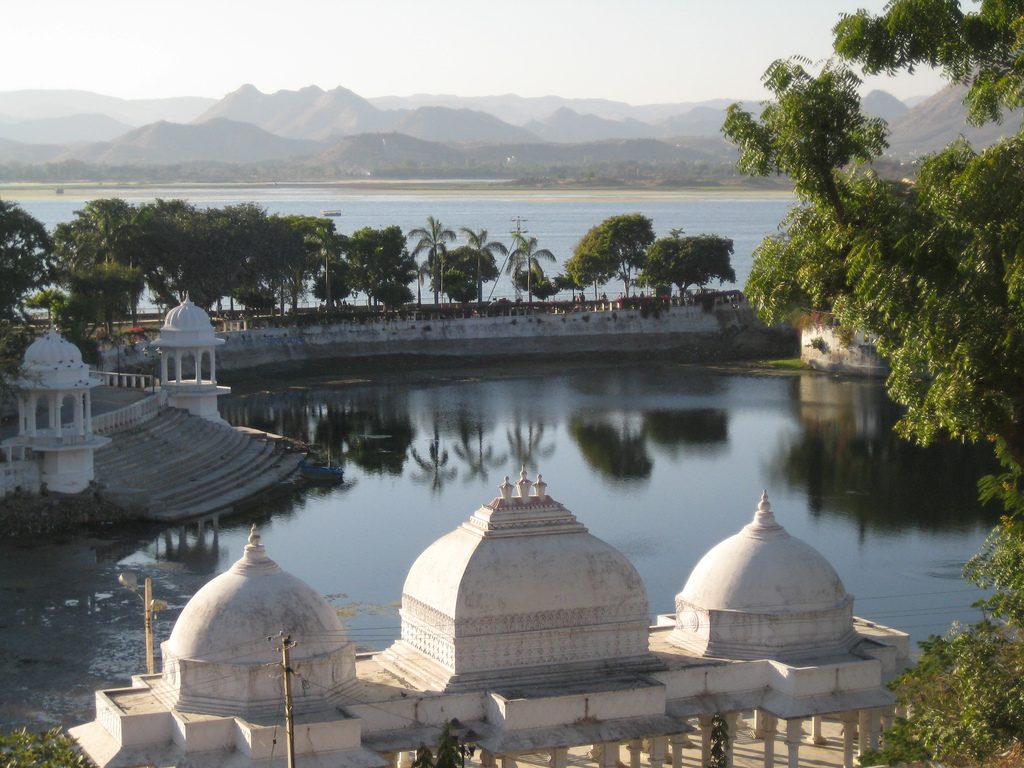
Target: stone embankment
[(175, 466), (725, 331)]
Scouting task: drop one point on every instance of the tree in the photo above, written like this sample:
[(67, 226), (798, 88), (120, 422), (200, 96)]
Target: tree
[(25, 250), (328, 245), (525, 260), (381, 266), (617, 246), (685, 261), (934, 270), (486, 253), (589, 263), (466, 269), (51, 749), (432, 239)]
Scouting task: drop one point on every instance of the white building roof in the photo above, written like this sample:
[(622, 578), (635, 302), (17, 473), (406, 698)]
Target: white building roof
[(53, 362), (187, 325)]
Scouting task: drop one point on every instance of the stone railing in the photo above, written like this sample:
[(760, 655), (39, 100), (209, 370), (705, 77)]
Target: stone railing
[(130, 416), (127, 380)]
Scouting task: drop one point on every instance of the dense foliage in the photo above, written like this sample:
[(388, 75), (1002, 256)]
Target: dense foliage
[(933, 269), (52, 749), (24, 258)]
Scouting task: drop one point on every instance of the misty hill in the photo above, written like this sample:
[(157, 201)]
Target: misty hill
[(459, 125), (16, 152), (309, 113), (940, 119), (884, 105), (214, 141), (368, 152), (73, 129), (45, 104), (567, 126)]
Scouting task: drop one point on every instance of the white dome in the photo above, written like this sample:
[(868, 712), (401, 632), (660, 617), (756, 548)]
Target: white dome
[(52, 362), (222, 636), (764, 594), (187, 317), (522, 584), (52, 349), (187, 326)]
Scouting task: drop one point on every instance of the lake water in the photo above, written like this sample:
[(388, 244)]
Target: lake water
[(557, 218), (662, 461)]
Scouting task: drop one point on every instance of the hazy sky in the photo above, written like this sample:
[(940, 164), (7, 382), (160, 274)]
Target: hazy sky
[(638, 51)]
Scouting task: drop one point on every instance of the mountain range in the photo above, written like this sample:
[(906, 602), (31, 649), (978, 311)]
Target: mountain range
[(311, 125)]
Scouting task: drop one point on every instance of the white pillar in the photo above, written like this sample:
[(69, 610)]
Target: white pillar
[(609, 754), (78, 409), (88, 412), (849, 720), (405, 759), (559, 757), (768, 728), (507, 761), (163, 371), (213, 367), (678, 741), (55, 406), (33, 412), (816, 737), (197, 356), (705, 739), (794, 735), (656, 755), (177, 366), (486, 758), (759, 718), (634, 746)]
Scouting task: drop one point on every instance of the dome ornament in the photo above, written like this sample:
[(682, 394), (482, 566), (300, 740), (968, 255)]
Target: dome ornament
[(505, 489), (764, 519), (523, 485), (254, 536), (540, 488)]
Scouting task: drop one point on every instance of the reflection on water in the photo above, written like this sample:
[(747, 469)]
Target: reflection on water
[(662, 462)]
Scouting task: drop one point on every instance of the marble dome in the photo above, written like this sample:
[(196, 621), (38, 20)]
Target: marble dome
[(229, 632), (53, 362), (763, 593), (521, 584), (187, 325)]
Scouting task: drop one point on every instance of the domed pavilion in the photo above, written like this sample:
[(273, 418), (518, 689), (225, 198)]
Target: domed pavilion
[(527, 634), (187, 340), (55, 379)]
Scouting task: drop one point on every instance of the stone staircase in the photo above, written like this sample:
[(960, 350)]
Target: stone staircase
[(176, 466)]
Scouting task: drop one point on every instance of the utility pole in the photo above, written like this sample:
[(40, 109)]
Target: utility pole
[(150, 607), (286, 670), (516, 233)]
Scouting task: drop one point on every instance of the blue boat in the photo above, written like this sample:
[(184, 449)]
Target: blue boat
[(321, 473)]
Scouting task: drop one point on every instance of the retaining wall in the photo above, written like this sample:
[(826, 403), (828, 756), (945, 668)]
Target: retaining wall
[(822, 348)]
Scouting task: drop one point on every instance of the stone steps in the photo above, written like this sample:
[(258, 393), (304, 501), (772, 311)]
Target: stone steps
[(178, 466)]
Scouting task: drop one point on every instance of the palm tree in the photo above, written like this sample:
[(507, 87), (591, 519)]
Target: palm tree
[(326, 243), (526, 257), (432, 239), (477, 241)]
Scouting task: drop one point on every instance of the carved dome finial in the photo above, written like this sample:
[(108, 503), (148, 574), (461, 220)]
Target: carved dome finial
[(505, 488), (540, 488), (523, 485)]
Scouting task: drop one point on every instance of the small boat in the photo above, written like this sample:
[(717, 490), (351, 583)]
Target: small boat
[(320, 472), (331, 212)]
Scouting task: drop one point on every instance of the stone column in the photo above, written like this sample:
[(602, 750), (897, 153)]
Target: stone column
[(177, 366), (88, 412), (213, 367), (197, 356), (705, 739), (55, 405), (507, 761), (486, 758), (678, 741), (759, 717), (816, 737), (794, 735), (405, 759), (78, 421), (634, 748), (609, 754), (769, 725), (163, 366), (656, 755), (849, 720), (559, 757)]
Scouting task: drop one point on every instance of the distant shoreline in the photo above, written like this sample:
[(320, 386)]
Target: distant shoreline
[(15, 191)]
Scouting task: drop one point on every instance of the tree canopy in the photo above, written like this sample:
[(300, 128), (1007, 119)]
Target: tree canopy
[(615, 247), (934, 269), (688, 260), (25, 250)]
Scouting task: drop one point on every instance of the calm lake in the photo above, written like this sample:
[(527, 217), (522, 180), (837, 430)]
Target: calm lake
[(662, 461)]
